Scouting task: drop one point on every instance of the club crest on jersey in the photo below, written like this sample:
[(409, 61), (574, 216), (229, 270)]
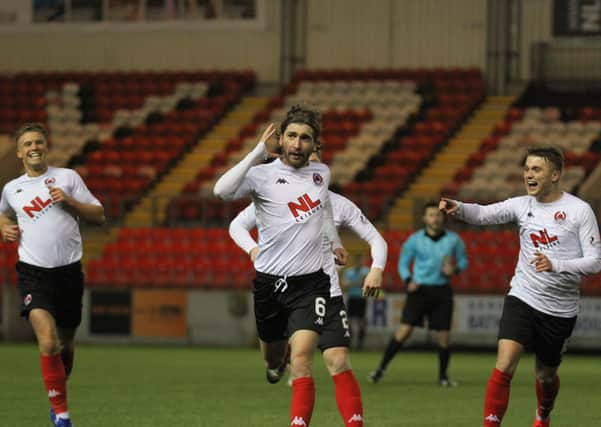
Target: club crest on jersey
[(543, 238), (305, 207), (317, 179), (560, 216), (27, 300), (49, 181)]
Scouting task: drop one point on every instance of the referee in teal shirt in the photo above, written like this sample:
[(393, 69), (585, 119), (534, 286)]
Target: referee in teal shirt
[(437, 254)]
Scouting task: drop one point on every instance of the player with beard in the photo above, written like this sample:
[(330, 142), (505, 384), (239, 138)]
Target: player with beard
[(335, 339), (293, 212)]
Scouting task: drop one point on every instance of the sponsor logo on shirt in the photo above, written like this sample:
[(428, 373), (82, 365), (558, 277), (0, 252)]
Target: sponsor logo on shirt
[(305, 207), (49, 181), (543, 238), (281, 181), (317, 179), (19, 190), (37, 205)]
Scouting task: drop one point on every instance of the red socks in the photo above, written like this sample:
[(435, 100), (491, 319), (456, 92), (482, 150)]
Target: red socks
[(348, 399), (497, 398), (545, 396), (55, 380), (303, 399)]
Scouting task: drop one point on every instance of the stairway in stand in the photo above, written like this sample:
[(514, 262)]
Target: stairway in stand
[(406, 211)]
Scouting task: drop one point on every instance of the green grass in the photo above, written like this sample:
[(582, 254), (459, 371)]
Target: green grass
[(193, 387)]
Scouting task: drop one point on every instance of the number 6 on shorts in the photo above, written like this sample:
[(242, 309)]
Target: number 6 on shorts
[(320, 306)]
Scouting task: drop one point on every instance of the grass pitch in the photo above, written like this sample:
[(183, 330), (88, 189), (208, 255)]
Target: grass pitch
[(194, 387)]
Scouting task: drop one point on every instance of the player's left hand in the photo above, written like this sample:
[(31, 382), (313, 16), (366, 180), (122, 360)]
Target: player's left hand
[(541, 262), (372, 283), (58, 195), (341, 256)]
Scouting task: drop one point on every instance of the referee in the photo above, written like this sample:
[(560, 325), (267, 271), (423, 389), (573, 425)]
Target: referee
[(437, 254)]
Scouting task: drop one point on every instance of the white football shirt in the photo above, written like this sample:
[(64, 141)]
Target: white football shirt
[(50, 235), (565, 231), (291, 205), (346, 214)]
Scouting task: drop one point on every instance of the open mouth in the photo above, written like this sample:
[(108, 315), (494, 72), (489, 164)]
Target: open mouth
[(532, 185)]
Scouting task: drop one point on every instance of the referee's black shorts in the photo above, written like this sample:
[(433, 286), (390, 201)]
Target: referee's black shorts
[(539, 332), (284, 305), (58, 290), (434, 303)]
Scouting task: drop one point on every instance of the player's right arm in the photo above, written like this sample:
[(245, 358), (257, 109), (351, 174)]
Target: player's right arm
[(473, 213), (240, 231), (229, 185), (8, 227)]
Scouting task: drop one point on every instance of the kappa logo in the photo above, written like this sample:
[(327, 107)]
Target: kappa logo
[(319, 321), (19, 190), (317, 179), (53, 393), (493, 418), (282, 181), (27, 300), (298, 421), (356, 418)]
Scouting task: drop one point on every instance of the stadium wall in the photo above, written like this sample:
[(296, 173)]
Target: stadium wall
[(225, 319), (340, 33), (401, 33)]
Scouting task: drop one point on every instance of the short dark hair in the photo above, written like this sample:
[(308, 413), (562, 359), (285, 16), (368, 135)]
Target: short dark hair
[(298, 114), (552, 155), (31, 127), (430, 204)]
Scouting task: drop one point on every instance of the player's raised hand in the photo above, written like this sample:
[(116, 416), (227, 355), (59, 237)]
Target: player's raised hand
[(541, 262), (10, 233), (372, 283), (448, 206), (341, 256), (267, 133)]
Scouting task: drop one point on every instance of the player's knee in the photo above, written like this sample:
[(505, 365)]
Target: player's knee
[(49, 346), (337, 361), (301, 365)]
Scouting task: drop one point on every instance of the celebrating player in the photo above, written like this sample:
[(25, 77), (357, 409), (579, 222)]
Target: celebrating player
[(40, 209), (559, 243), (335, 339), (293, 213)]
